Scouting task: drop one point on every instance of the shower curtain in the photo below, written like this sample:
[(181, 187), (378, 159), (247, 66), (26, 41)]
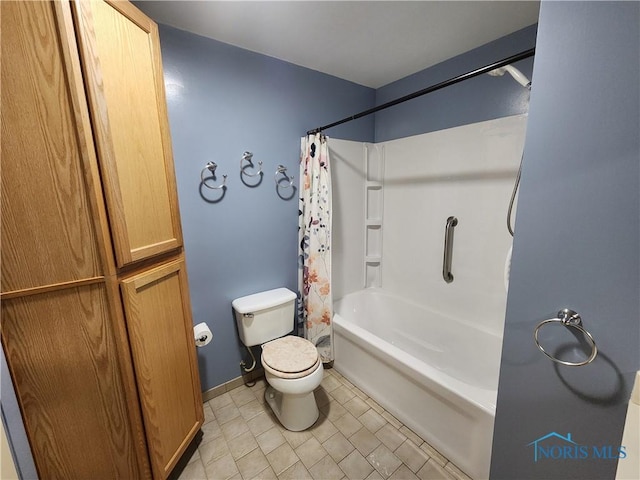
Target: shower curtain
[(315, 303)]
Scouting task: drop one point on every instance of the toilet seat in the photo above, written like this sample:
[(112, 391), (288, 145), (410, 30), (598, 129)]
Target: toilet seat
[(290, 357)]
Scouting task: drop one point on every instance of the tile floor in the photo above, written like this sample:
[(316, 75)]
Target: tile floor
[(354, 438)]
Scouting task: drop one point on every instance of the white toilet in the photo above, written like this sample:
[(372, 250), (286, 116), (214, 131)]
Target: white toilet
[(291, 364)]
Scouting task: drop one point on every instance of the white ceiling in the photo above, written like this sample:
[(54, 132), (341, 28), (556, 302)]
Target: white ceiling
[(371, 43)]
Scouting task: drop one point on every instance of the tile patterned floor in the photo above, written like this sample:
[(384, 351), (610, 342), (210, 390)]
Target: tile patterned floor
[(354, 438)]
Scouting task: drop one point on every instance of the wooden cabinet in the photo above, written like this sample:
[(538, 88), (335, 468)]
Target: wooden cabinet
[(158, 320), (120, 50), (60, 347), (96, 319), (47, 235)]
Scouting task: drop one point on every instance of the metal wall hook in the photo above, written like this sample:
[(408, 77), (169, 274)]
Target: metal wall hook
[(569, 317), (283, 170), (211, 168), (247, 157)]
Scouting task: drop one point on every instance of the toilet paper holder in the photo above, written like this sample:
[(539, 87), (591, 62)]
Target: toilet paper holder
[(202, 335)]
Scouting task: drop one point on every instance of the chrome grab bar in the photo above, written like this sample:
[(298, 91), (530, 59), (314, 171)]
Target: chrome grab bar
[(448, 249)]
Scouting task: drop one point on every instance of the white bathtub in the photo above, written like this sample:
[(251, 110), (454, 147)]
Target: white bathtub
[(437, 375)]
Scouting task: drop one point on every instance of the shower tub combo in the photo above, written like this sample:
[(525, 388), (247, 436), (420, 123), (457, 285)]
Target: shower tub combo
[(424, 336), (437, 375)]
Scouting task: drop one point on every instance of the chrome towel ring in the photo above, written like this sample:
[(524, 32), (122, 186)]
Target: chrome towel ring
[(568, 318), (247, 157), (211, 168), (283, 170)]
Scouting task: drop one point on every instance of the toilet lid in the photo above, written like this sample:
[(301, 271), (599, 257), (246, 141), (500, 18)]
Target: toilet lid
[(290, 357)]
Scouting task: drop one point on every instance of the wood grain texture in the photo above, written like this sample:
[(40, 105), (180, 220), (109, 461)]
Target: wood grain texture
[(63, 326), (85, 134), (47, 233), (60, 350), (50, 288), (126, 93), (161, 336), (130, 389)]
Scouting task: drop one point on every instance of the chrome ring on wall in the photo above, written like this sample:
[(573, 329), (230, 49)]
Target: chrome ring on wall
[(247, 157), (211, 168), (283, 170), (571, 319)]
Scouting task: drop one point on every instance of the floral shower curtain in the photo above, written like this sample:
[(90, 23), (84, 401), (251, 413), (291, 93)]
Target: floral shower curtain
[(315, 303)]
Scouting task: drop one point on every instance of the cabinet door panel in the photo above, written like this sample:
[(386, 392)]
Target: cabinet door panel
[(61, 353), (121, 52), (47, 232), (161, 335)]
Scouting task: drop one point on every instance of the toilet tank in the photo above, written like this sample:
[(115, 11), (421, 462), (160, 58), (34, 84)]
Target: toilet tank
[(264, 316)]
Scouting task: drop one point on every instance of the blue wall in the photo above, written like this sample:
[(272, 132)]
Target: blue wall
[(223, 100), (576, 245), (475, 100), (12, 419)]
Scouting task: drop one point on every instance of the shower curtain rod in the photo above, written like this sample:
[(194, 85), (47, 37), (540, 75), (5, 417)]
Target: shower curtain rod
[(465, 76)]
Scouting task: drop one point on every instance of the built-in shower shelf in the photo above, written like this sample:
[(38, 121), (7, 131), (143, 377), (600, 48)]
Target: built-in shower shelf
[(374, 195), (374, 203), (373, 272)]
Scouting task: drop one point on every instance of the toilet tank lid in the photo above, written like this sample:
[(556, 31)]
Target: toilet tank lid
[(263, 300)]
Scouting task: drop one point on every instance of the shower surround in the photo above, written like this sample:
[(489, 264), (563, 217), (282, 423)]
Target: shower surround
[(391, 203)]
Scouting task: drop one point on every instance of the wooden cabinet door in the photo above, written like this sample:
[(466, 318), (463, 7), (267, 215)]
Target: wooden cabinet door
[(161, 334), (60, 349), (47, 232), (120, 49)]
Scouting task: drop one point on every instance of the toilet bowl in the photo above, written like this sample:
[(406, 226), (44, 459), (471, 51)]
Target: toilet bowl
[(293, 368), (293, 371)]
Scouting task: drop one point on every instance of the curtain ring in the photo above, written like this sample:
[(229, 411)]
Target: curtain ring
[(283, 170), (247, 156), (211, 168)]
